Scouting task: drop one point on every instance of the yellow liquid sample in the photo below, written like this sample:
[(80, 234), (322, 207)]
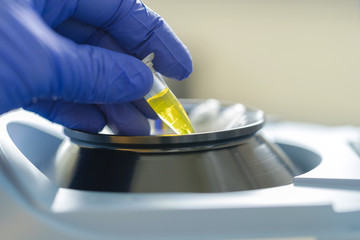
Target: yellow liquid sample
[(169, 109)]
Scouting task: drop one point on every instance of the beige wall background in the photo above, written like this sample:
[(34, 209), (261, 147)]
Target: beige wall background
[(298, 60)]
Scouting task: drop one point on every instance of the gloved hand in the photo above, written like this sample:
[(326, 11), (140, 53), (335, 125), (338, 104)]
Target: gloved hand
[(76, 62)]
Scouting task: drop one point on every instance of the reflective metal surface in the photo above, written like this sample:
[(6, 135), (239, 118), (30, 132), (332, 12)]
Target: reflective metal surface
[(219, 161), (255, 121)]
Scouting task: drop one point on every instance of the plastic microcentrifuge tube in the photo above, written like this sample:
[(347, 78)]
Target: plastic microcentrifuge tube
[(204, 114), (165, 104)]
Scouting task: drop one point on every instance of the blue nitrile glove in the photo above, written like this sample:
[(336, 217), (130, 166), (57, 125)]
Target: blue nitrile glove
[(76, 62)]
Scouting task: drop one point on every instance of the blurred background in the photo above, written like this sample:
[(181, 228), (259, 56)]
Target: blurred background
[(297, 60)]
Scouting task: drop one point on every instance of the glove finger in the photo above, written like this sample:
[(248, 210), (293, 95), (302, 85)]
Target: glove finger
[(54, 12), (88, 74), (50, 65), (125, 119), (83, 117), (83, 33), (140, 31), (145, 108)]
